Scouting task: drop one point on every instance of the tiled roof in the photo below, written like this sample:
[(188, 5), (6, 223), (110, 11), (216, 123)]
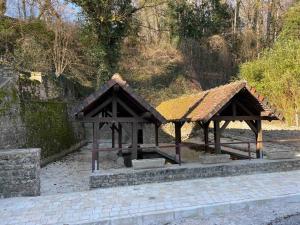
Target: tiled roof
[(118, 80), (204, 105)]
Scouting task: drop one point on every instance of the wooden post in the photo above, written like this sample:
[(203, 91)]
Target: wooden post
[(113, 135), (217, 135), (120, 135), (95, 146), (259, 139), (156, 134), (134, 141), (205, 129), (178, 126)]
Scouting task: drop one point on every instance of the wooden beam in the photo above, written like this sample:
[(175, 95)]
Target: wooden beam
[(146, 115), (95, 146), (156, 134), (124, 105), (120, 135), (101, 125), (99, 108), (178, 126), (134, 140), (206, 129), (252, 126), (115, 127), (113, 136), (217, 136), (114, 106), (115, 120), (200, 124), (224, 126), (231, 118), (259, 139)]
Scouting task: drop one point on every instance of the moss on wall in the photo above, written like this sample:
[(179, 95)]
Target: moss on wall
[(47, 126), (8, 97)]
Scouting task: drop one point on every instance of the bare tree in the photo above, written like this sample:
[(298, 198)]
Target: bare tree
[(2, 7), (47, 9), (236, 16), (23, 5), (61, 53)]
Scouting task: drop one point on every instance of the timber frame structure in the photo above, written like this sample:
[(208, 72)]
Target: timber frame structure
[(232, 102), (114, 104)]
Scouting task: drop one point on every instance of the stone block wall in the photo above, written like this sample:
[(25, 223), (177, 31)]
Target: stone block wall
[(12, 131), (19, 172), (128, 176)]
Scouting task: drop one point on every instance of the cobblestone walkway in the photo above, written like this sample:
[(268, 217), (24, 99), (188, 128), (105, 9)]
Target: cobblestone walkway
[(148, 199)]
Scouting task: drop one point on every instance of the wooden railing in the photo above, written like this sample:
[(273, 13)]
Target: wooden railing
[(178, 146)]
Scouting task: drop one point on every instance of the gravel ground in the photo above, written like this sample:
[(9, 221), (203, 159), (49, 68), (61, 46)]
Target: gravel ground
[(71, 173)]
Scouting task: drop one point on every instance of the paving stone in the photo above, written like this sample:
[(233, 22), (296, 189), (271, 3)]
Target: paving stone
[(158, 202)]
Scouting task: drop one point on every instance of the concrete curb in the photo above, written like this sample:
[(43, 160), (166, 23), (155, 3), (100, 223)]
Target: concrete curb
[(167, 216)]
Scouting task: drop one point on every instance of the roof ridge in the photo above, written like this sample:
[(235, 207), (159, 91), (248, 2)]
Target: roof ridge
[(119, 79), (229, 84)]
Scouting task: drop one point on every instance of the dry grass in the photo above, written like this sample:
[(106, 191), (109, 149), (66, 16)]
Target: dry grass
[(156, 72)]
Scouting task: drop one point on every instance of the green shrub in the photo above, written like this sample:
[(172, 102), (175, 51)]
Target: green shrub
[(277, 72), (47, 126)]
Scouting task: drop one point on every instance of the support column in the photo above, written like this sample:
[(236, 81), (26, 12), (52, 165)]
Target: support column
[(134, 140), (259, 139), (95, 146), (113, 135), (156, 134), (178, 126), (217, 135), (205, 129), (119, 135)]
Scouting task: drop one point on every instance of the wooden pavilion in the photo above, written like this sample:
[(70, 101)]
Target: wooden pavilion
[(114, 104), (235, 101)]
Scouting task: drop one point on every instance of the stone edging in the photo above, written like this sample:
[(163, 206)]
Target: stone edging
[(128, 176), (63, 153), (166, 216)]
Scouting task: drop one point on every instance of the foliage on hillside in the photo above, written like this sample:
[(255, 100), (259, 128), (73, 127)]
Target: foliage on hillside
[(156, 72), (277, 72), (165, 48)]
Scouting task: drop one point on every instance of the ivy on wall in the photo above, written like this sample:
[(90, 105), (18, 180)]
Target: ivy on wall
[(47, 126)]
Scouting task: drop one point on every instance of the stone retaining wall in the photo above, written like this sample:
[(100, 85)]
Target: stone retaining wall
[(19, 172), (128, 176)]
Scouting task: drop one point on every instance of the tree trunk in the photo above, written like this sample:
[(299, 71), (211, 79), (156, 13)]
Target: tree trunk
[(2, 7), (269, 19), (24, 9), (236, 16)]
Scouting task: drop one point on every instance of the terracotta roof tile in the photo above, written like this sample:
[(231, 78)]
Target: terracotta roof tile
[(204, 105)]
